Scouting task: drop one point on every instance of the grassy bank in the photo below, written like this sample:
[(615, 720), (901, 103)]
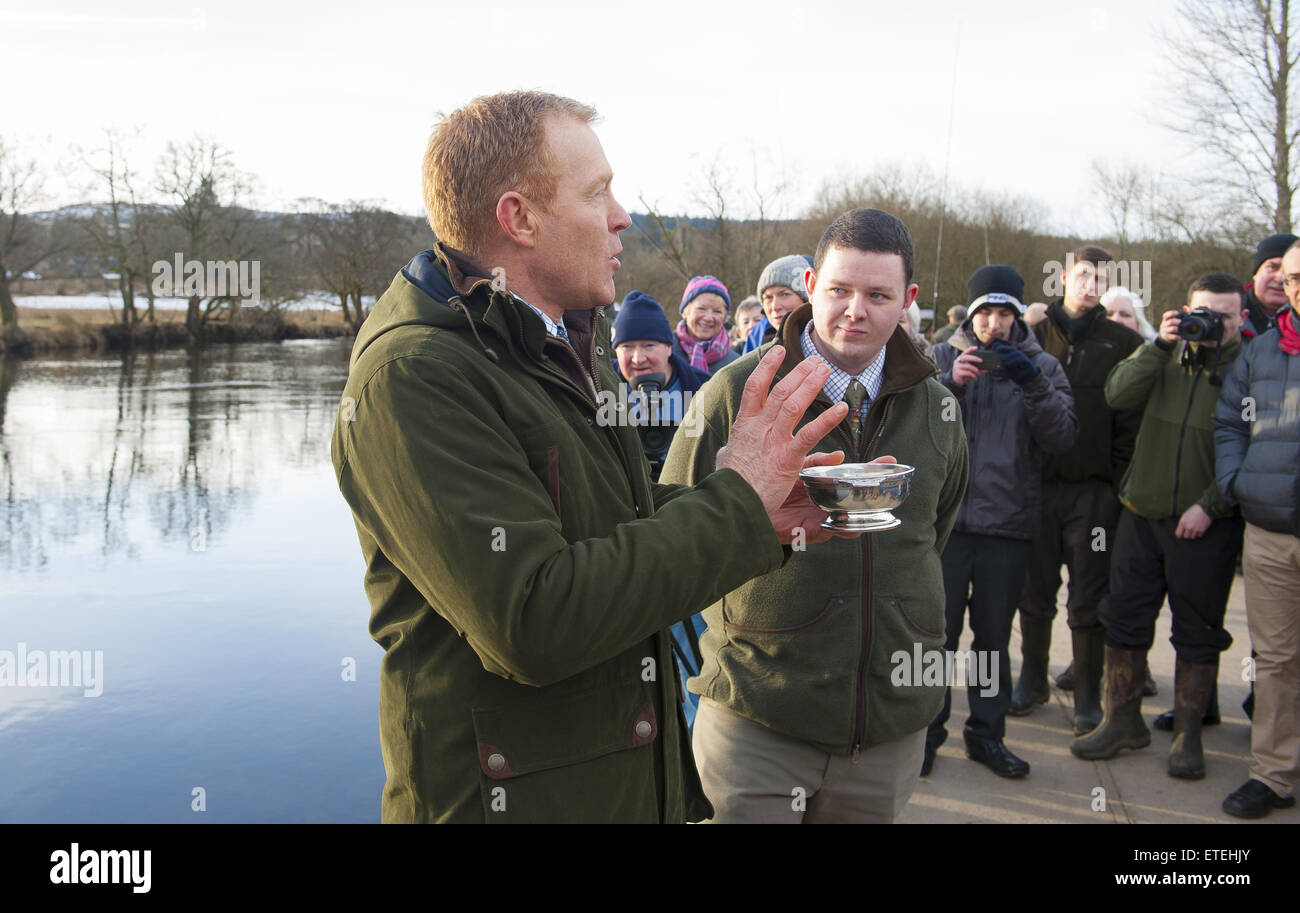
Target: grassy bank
[(46, 330)]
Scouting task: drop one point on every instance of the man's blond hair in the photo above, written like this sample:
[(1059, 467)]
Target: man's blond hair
[(494, 144)]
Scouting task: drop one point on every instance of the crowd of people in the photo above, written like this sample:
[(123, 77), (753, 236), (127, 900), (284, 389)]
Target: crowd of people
[(586, 621)]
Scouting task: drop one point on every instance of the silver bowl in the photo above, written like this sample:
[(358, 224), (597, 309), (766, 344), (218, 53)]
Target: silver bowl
[(858, 496)]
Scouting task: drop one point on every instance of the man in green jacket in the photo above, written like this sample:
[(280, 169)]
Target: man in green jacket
[(505, 518), (1177, 533), (813, 700)]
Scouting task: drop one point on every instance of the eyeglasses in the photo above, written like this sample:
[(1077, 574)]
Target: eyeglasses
[(1292, 280)]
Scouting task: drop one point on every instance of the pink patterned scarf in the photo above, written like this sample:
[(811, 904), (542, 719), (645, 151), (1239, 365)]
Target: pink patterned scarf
[(702, 353)]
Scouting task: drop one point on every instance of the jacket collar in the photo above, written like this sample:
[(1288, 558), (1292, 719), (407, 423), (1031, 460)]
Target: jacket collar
[(501, 311)]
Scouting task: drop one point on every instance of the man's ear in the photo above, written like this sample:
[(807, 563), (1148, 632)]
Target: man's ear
[(517, 218), (911, 295), (809, 281)]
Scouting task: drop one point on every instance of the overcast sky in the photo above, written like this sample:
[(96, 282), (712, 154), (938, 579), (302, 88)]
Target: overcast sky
[(336, 99)]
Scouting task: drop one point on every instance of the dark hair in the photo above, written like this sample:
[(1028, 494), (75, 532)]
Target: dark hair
[(1218, 283), (872, 230), (1092, 253)]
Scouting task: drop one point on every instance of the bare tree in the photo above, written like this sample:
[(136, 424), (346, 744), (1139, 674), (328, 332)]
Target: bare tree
[(205, 192), (118, 232), (1233, 99), (24, 242), (348, 250), (737, 231)]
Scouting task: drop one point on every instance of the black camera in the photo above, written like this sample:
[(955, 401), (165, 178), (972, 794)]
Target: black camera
[(1201, 325), (656, 433)]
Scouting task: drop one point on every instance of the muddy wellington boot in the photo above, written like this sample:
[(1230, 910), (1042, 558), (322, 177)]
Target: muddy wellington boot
[(1089, 655), (1192, 684), (1121, 724), (1165, 722), (1035, 643)]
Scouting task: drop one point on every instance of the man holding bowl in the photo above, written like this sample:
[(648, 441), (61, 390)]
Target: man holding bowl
[(801, 718)]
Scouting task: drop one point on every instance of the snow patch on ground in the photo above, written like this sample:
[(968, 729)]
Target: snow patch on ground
[(314, 302)]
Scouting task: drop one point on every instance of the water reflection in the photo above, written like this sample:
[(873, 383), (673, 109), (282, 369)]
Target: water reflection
[(177, 510)]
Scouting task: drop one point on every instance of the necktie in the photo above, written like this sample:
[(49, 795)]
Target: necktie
[(855, 396), (559, 331)]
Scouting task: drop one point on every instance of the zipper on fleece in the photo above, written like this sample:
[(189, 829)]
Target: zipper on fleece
[(864, 579), (1182, 432)]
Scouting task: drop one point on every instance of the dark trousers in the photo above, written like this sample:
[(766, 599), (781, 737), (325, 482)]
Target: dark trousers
[(1078, 530), (991, 569), (1151, 561)]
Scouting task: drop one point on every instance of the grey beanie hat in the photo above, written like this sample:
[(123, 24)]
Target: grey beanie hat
[(787, 271)]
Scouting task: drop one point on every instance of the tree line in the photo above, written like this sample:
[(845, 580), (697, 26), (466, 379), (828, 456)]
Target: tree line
[(1230, 105), (196, 205)]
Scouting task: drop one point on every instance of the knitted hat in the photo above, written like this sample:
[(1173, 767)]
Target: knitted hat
[(995, 285), (1270, 247), (787, 271), (641, 317), (701, 285)]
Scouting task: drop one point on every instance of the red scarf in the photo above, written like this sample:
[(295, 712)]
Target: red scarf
[(1288, 339), (702, 352)]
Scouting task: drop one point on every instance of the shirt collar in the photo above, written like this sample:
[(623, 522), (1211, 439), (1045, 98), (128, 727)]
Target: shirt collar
[(838, 382), (552, 327)]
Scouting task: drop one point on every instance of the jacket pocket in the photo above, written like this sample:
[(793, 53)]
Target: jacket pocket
[(931, 626), (580, 757), (766, 626)]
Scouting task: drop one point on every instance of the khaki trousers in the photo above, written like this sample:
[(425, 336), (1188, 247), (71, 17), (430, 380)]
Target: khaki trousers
[(1272, 570), (754, 775)]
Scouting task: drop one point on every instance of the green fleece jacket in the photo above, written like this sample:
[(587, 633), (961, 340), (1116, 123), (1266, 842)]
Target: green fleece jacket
[(812, 650), (1173, 459), (520, 565)]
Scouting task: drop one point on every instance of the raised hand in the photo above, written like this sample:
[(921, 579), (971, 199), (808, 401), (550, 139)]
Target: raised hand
[(764, 447)]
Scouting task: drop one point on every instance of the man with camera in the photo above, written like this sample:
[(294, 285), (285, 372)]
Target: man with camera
[(663, 384), (1177, 534)]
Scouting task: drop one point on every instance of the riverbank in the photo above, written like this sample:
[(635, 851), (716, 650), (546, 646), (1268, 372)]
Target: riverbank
[(42, 331)]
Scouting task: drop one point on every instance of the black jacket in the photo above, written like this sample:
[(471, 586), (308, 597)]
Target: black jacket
[(1257, 321), (1008, 430), (1106, 435)]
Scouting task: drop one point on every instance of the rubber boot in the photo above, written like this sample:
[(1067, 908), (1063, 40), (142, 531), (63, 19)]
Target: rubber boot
[(1192, 684), (1121, 724), (1065, 681), (1089, 654), (1165, 722), (1035, 643), (1149, 688)]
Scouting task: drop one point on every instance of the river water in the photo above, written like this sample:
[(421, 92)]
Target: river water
[(182, 622)]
